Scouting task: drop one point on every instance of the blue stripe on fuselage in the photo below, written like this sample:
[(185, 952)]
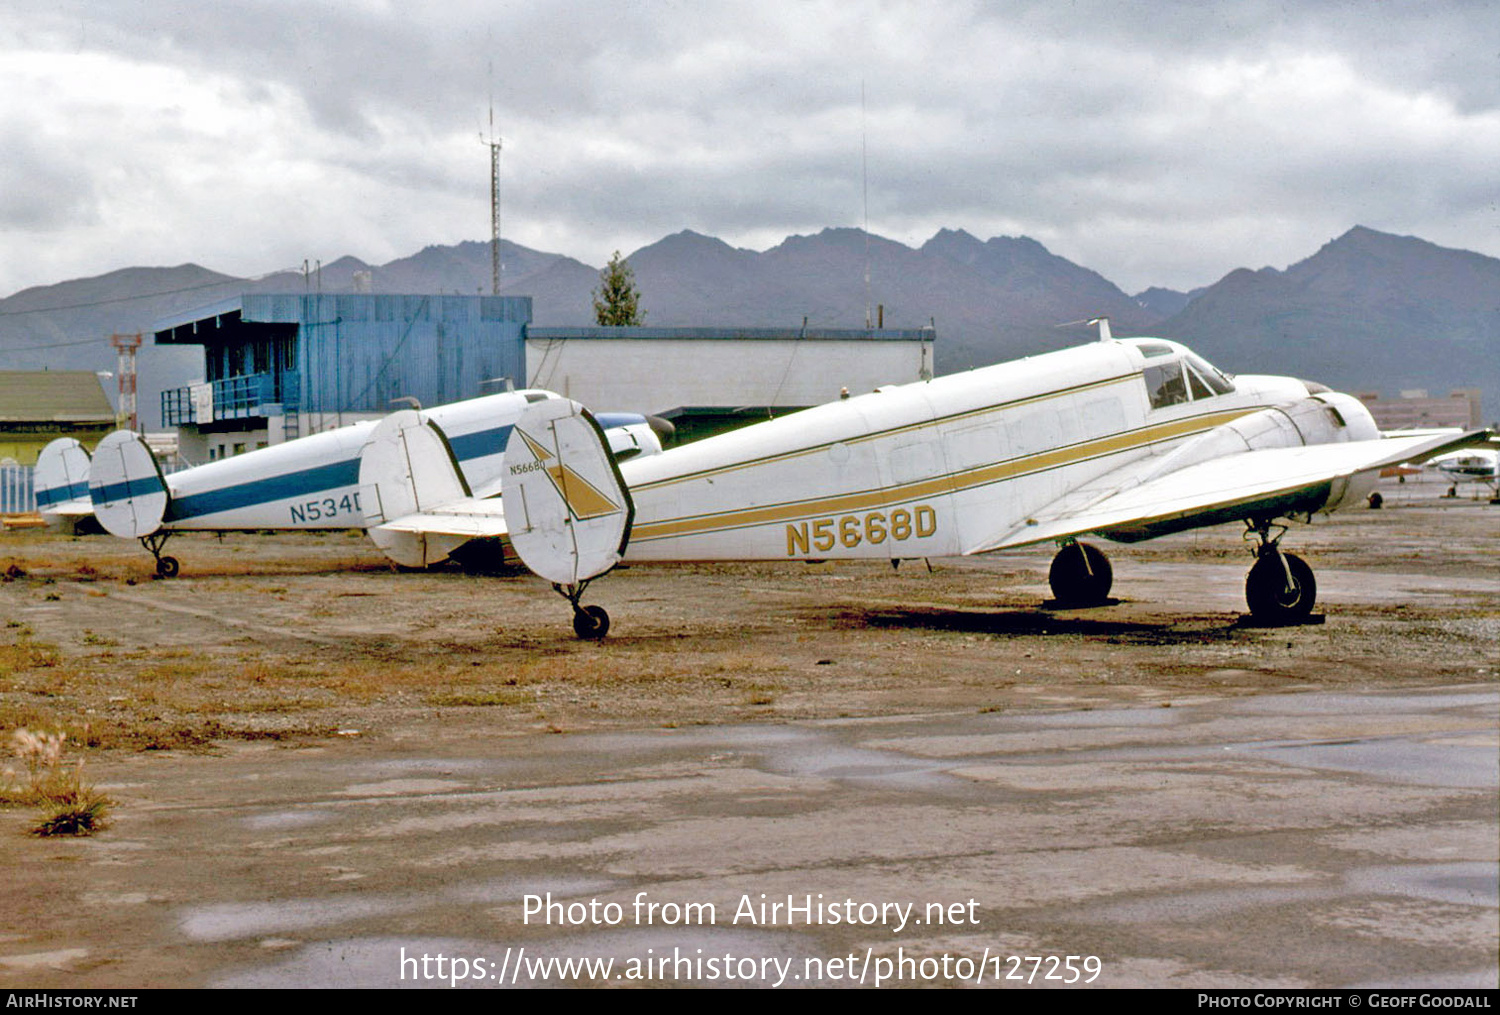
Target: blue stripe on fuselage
[(58, 494), (302, 483), (311, 483), (142, 487)]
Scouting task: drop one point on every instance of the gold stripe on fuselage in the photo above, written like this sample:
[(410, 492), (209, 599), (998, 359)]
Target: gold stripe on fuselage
[(954, 482)]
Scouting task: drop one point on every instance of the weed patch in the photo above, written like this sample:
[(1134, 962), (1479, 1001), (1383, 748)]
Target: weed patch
[(70, 805)]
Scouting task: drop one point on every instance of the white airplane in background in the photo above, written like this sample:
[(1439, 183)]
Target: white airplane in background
[(310, 483), (1127, 439), (1476, 465)]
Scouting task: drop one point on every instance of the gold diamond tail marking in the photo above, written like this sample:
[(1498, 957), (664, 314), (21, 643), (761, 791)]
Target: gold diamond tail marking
[(584, 500)]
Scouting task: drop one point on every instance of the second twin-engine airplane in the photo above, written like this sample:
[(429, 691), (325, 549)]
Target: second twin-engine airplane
[(317, 482), (1127, 439)]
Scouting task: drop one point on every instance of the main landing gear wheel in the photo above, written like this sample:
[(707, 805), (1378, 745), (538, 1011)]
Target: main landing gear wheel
[(590, 623), (166, 567), (1280, 588), (1080, 576)]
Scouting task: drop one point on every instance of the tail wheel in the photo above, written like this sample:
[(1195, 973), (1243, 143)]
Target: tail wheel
[(1280, 594), (1080, 575), (590, 622)]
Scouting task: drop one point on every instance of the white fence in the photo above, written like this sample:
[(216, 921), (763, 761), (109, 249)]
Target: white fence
[(16, 493)]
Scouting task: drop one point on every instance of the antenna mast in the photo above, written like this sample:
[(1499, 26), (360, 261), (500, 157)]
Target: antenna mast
[(864, 184), (494, 143)]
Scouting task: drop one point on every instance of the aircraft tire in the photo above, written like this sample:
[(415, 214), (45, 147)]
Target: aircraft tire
[(1081, 575), (1267, 595), (167, 567), (591, 622)]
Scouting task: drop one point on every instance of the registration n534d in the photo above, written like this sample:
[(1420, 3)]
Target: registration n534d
[(874, 527), (325, 509)]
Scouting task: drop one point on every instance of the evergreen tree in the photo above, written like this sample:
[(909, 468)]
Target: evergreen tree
[(617, 301)]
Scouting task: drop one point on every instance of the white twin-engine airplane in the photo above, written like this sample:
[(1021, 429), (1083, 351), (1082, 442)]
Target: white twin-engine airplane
[(317, 482), (1127, 439)]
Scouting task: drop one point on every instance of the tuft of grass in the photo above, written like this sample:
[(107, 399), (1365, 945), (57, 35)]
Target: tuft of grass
[(82, 819), (71, 805)]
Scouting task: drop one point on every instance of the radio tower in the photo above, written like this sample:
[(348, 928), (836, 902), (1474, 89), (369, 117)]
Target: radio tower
[(126, 345), (494, 145)]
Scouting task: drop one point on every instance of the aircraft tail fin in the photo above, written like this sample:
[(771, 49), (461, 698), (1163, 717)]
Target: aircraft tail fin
[(406, 468), (61, 479), (126, 486), (567, 508)]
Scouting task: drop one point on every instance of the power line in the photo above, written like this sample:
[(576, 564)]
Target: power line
[(51, 345)]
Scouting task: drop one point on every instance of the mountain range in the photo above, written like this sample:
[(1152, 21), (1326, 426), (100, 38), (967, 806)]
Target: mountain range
[(1369, 311)]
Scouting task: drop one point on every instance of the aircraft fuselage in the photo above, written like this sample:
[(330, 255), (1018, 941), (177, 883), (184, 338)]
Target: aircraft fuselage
[(947, 466)]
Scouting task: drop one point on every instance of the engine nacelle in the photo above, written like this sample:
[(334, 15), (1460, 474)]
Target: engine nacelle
[(1328, 418)]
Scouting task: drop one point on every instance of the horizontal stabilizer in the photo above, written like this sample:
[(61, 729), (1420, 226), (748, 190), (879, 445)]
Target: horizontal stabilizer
[(470, 518), (126, 486)]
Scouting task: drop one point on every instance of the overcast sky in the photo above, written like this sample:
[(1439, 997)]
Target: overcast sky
[(1158, 143)]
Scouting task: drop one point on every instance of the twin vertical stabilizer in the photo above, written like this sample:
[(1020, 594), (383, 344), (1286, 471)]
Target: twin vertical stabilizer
[(126, 485), (567, 509)]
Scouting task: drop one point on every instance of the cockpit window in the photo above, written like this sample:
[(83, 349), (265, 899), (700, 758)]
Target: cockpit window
[(1189, 379), (1216, 380), (1165, 385), (1196, 386)]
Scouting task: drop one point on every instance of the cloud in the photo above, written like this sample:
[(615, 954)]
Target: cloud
[(1160, 143)]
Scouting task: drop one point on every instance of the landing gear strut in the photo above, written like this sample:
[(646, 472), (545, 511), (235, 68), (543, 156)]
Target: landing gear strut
[(1080, 575), (166, 567), (589, 622), (1280, 588)]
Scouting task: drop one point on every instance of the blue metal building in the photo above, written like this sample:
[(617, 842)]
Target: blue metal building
[(280, 366)]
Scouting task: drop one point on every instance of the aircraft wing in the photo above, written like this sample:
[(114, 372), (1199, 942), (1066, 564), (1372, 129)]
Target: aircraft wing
[(1271, 481)]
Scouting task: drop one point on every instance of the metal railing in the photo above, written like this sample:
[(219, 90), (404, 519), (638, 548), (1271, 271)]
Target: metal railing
[(234, 397)]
